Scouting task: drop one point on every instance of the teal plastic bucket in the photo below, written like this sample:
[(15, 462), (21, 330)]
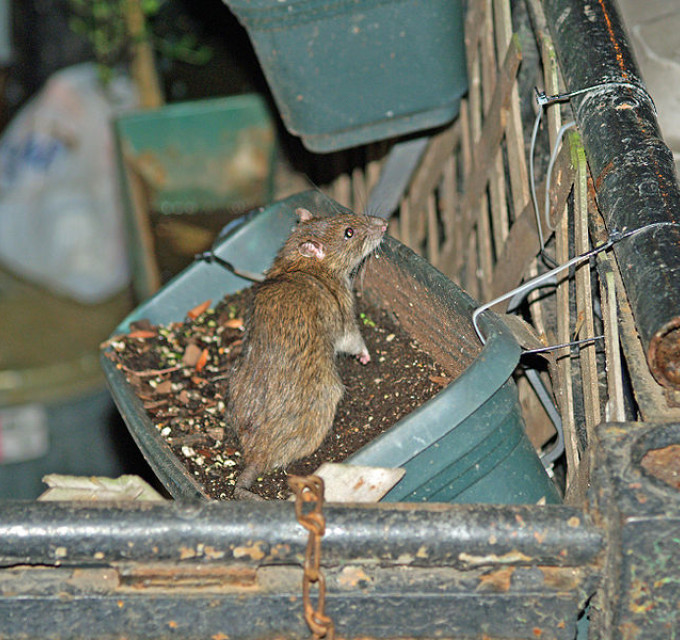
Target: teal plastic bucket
[(466, 444), (345, 73), (186, 170)]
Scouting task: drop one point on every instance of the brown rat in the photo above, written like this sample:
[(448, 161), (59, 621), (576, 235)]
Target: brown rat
[(285, 388)]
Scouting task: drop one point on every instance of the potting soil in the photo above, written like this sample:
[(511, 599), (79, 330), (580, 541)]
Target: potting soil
[(181, 372)]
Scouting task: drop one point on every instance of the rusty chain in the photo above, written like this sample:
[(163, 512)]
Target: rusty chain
[(310, 489)]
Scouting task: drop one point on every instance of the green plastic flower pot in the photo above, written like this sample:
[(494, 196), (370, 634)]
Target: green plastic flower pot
[(466, 444), (345, 73)]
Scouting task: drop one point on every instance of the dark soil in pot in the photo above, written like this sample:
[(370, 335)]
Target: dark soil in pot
[(180, 372)]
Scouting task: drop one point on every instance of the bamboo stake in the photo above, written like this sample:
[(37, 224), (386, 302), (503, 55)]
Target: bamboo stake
[(142, 65)]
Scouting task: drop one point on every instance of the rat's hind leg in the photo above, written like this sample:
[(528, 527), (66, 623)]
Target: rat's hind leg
[(245, 481)]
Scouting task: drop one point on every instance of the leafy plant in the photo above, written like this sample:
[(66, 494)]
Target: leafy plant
[(104, 23), (366, 320)]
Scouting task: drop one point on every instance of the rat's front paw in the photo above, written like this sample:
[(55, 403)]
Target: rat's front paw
[(364, 357)]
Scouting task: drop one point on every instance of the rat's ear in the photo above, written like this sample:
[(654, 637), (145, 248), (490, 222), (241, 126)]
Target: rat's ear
[(312, 249), (303, 214)]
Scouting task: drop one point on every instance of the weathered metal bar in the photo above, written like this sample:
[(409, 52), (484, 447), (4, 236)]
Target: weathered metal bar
[(462, 536), (211, 570), (632, 167), (635, 491), (266, 616)]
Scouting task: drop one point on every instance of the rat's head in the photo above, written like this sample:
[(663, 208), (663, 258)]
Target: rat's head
[(337, 243)]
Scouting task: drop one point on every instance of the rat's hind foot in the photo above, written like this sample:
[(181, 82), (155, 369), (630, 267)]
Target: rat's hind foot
[(245, 494), (245, 481)]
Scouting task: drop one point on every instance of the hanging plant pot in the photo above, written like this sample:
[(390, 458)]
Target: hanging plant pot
[(466, 444), (345, 73)]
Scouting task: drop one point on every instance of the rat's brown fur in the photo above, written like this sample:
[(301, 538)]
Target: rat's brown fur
[(285, 389)]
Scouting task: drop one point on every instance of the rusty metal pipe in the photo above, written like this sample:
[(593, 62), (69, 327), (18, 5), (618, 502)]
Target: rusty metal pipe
[(632, 168)]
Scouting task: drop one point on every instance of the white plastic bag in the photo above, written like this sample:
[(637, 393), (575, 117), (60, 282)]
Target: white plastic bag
[(61, 219)]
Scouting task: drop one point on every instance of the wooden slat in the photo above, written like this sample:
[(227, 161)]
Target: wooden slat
[(341, 189), (374, 166), (429, 171), (474, 68), (538, 317), (652, 399), (538, 21), (487, 73), (517, 164), (584, 292), (497, 200), (471, 284), (616, 410), (359, 193), (486, 135), (474, 21), (141, 214), (466, 159), (464, 215), (487, 50), (554, 113), (484, 249), (499, 203), (432, 231), (452, 248), (405, 224), (564, 365), (465, 140), (522, 243), (563, 395), (492, 132), (564, 355), (394, 224)]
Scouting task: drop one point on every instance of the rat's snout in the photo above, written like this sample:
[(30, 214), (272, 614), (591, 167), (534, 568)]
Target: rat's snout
[(375, 230), (380, 224), (378, 230)]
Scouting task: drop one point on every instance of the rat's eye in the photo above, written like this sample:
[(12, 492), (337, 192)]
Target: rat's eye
[(349, 232)]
